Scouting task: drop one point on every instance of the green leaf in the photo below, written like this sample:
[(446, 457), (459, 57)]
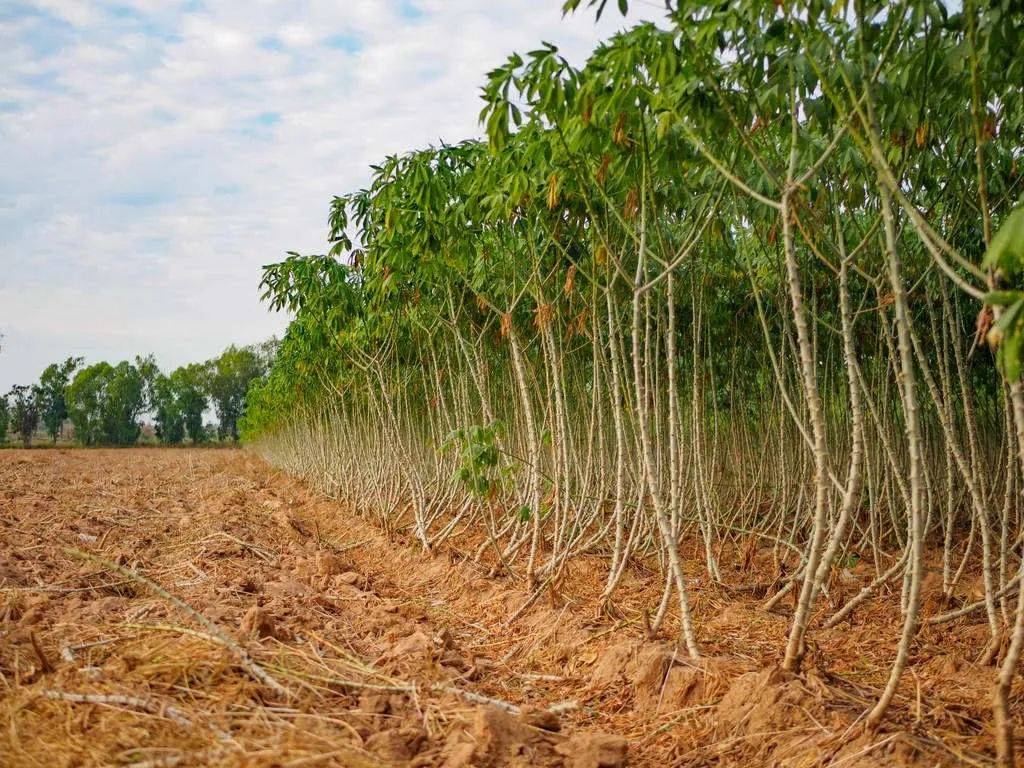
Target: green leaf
[(1011, 329), (1003, 298), (1006, 251)]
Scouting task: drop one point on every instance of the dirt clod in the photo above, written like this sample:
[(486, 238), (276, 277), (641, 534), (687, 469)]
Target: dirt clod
[(396, 745), (257, 622), (544, 719), (328, 564), (612, 665), (594, 750)]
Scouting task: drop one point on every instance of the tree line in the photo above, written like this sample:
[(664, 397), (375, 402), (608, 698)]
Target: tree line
[(105, 403)]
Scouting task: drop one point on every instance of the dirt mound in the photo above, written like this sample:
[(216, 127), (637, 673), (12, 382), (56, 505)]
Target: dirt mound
[(593, 750), (659, 682), (661, 677), (397, 745), (259, 623), (773, 717), (759, 702), (498, 738), (613, 665)]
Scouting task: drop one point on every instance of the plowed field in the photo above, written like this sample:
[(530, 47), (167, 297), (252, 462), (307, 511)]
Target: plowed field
[(177, 607)]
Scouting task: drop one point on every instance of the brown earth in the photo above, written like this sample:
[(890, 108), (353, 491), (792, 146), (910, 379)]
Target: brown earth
[(197, 607)]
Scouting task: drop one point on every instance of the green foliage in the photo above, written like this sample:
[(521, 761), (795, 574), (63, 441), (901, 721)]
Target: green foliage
[(571, 5), (479, 468), (23, 402), (150, 373), (125, 402), (188, 385), (228, 379), (5, 418), (85, 401), (1006, 254), (52, 385), (178, 402), (683, 130), (730, 259), (105, 403), (168, 418)]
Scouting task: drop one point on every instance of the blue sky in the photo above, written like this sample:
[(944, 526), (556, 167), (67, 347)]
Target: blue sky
[(155, 154)]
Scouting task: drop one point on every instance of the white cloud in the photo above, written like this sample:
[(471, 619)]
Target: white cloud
[(157, 154)]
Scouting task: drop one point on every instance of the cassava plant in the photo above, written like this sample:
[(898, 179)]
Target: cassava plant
[(725, 287)]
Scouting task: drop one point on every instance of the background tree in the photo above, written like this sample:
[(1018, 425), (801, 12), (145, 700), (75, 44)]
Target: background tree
[(85, 396), (53, 384), (124, 404), (5, 418), (105, 403), (150, 372), (24, 408), (165, 403), (228, 379), (189, 385)]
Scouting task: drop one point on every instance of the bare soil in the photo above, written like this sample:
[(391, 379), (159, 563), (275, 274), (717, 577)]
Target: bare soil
[(198, 607)]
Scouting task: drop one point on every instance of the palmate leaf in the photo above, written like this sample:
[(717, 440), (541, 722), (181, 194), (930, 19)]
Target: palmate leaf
[(1006, 252), (1010, 332), (571, 5)]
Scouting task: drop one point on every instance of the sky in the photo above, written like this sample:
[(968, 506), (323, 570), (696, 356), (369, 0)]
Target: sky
[(155, 154)]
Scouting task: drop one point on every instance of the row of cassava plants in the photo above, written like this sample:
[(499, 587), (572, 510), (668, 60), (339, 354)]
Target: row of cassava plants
[(742, 283)]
